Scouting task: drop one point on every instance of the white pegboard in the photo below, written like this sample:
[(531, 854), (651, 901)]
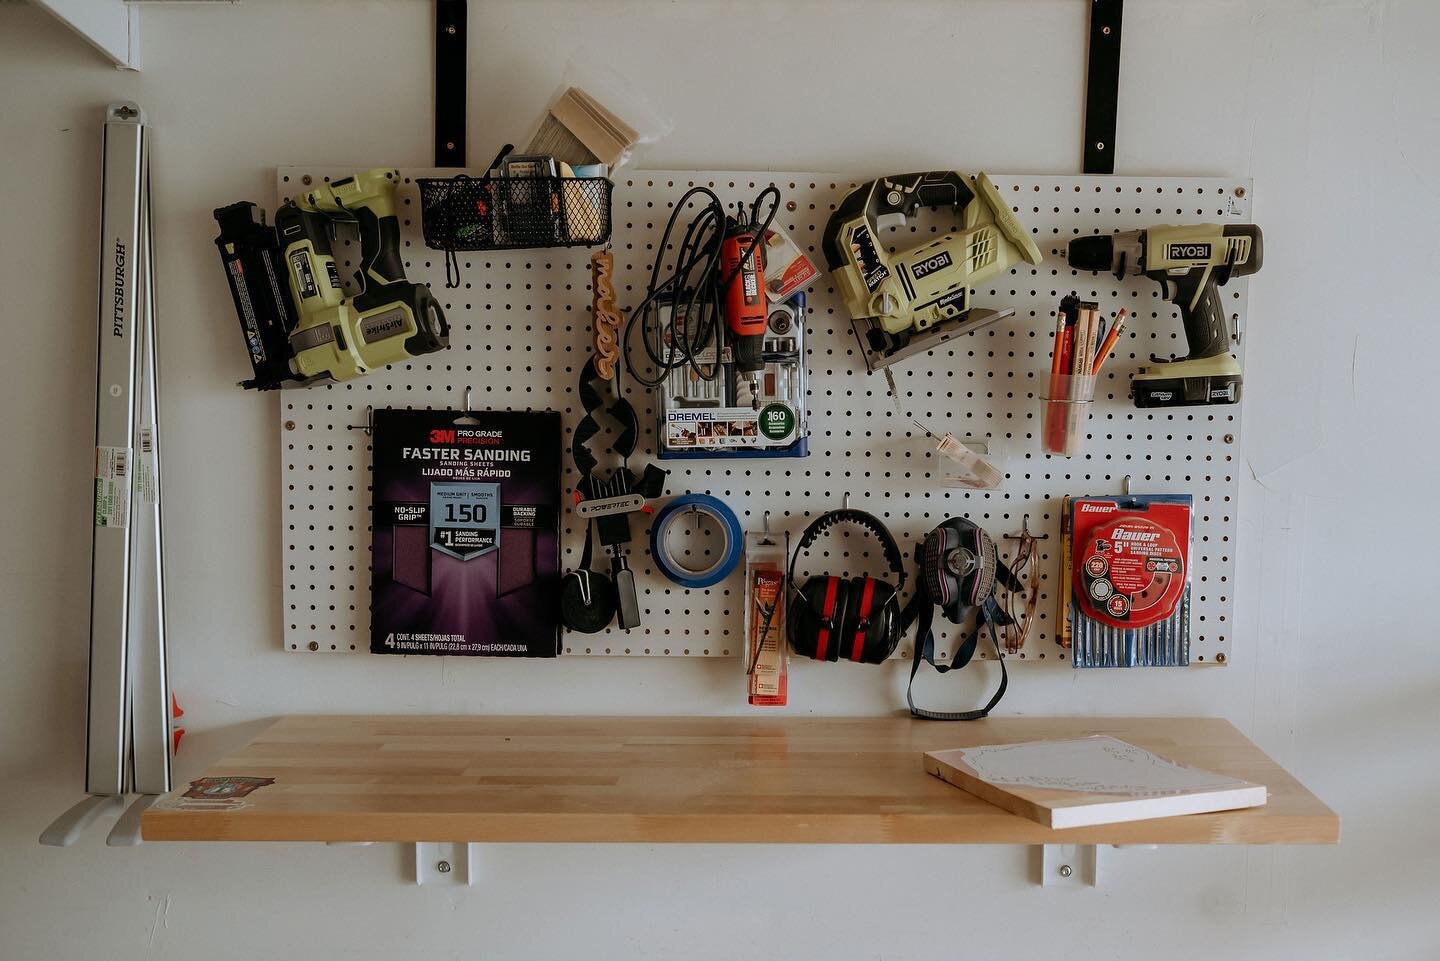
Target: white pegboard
[(520, 333)]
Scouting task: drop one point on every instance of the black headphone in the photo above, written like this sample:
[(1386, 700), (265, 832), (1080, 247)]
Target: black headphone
[(854, 618)]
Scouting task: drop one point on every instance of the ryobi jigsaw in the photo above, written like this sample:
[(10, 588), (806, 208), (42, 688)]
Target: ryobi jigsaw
[(912, 301), (299, 325)]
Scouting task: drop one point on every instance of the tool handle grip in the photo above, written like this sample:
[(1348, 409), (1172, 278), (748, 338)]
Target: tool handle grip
[(749, 352), (379, 248), (1206, 327), (941, 188), (627, 604)]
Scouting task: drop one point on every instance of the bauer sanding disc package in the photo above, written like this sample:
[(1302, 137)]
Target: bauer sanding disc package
[(1131, 575), (465, 549)]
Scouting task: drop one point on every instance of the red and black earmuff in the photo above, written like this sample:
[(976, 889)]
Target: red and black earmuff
[(850, 618)]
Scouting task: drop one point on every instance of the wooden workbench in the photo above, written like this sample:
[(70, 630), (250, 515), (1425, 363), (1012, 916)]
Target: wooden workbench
[(689, 779)]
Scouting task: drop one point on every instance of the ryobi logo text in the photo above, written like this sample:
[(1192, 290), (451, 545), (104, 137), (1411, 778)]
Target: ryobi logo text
[(931, 264), (1187, 251), (118, 319)]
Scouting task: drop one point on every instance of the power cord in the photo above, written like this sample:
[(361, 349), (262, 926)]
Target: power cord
[(690, 289)]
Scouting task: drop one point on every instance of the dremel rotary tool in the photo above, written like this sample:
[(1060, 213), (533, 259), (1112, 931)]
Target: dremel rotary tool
[(299, 326), (1191, 263), (914, 300)]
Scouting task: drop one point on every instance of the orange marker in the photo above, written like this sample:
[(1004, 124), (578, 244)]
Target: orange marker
[(1057, 368), (1059, 339), (1103, 354)]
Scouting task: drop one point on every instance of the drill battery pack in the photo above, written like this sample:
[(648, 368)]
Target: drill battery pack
[(1153, 388), (740, 416), (254, 266)]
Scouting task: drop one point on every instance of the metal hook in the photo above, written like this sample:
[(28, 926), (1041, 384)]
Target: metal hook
[(845, 501), (468, 389), (765, 537), (1025, 532), (1125, 486), (369, 426)]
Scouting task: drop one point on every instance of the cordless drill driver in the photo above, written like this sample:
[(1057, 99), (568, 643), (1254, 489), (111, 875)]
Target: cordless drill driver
[(300, 328), (1191, 263)]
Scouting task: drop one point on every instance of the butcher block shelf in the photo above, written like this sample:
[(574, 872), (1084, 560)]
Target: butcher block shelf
[(690, 779)]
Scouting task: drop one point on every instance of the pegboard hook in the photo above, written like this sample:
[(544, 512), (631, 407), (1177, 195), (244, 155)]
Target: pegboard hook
[(369, 426), (1125, 486), (765, 521), (845, 501), (468, 390), (1025, 532)]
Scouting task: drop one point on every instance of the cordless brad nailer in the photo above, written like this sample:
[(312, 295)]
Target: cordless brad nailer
[(299, 326), (1191, 263)]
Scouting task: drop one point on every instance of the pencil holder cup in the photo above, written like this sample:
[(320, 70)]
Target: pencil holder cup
[(1065, 413)]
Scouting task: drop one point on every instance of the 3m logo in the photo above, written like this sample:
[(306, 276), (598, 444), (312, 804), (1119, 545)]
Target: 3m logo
[(442, 437), (931, 264), (1187, 251)]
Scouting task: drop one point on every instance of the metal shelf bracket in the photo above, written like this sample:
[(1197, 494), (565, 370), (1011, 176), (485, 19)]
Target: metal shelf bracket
[(445, 863), (1068, 865)]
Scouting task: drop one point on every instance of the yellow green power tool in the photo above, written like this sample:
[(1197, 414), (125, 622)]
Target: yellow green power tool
[(1191, 263), (299, 326), (909, 302)]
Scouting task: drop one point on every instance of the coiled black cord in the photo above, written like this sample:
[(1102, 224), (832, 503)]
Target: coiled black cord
[(691, 289)]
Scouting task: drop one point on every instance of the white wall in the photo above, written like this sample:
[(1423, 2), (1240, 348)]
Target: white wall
[(1329, 105)]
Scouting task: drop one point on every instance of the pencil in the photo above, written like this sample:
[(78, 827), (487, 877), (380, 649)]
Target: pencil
[(1103, 354), (1084, 342), (1062, 596)]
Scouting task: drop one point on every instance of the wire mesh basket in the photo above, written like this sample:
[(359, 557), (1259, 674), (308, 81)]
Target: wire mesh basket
[(509, 213)]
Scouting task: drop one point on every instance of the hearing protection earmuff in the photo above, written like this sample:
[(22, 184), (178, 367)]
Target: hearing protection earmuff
[(854, 618)]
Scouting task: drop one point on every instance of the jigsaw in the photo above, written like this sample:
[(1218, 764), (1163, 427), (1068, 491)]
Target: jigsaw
[(911, 301)]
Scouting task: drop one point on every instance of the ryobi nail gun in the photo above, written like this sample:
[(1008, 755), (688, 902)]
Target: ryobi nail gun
[(914, 300), (299, 326), (1191, 263)]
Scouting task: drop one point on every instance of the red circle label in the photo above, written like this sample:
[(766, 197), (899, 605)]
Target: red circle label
[(1143, 562)]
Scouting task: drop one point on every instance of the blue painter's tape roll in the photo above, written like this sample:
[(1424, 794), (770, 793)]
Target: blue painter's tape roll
[(729, 554)]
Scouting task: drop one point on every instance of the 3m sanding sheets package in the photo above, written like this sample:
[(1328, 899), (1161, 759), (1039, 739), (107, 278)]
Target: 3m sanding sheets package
[(466, 547)]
